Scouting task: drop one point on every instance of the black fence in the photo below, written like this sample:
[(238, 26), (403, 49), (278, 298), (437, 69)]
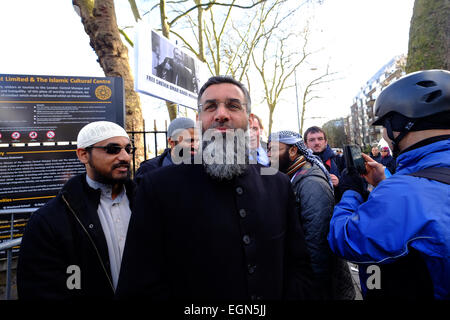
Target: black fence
[(152, 145)]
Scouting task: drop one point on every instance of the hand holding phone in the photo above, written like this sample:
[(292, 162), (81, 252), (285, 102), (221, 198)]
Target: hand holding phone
[(374, 171), (354, 160)]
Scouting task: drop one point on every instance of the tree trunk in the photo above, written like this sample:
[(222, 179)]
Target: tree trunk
[(171, 107), (429, 40), (100, 24), (271, 110), (201, 45)]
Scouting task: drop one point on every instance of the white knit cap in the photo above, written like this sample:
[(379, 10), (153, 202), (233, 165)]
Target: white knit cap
[(98, 131)]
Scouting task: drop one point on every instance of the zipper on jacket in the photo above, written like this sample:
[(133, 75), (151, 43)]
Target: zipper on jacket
[(92, 242)]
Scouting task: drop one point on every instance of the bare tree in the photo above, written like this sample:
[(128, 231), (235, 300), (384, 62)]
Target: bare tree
[(209, 34), (276, 69), (253, 46), (309, 93)]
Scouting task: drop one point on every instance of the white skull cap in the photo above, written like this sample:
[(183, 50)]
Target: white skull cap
[(98, 131)]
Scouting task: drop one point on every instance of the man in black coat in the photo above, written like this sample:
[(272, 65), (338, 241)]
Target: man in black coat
[(181, 133), (216, 231), (72, 246), (375, 154), (387, 160), (316, 140)]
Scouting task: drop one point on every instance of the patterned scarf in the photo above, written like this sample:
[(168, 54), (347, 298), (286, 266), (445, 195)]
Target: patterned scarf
[(293, 168), (295, 139)]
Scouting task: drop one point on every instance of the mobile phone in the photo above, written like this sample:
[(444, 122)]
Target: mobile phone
[(354, 159)]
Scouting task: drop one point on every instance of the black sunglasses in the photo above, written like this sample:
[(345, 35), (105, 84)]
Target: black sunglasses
[(114, 148)]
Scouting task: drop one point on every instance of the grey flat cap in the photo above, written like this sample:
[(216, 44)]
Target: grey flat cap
[(179, 124)]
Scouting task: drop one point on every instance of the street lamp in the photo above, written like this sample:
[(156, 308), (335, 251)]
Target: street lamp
[(296, 97)]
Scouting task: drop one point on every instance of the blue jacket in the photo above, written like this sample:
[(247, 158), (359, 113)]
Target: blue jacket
[(401, 213)]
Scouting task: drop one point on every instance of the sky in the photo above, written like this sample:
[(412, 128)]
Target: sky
[(356, 38)]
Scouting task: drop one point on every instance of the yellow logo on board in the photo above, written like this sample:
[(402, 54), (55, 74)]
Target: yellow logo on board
[(103, 92)]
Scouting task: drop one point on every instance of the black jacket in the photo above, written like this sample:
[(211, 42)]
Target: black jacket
[(315, 203), (151, 164), (194, 238), (340, 162), (376, 158), (66, 232), (389, 162)]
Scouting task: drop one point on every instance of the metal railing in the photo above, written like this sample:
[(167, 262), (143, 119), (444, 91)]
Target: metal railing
[(8, 245), (155, 132)]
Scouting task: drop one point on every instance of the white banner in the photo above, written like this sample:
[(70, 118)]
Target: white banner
[(166, 71)]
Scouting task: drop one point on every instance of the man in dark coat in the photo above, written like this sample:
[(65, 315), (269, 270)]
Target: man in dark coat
[(72, 246), (231, 234), (375, 154), (315, 201), (387, 160), (181, 133), (316, 140)]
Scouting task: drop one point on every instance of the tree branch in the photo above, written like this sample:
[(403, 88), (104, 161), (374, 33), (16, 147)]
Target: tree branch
[(209, 4)]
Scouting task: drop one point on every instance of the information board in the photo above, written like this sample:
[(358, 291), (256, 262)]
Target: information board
[(55, 108), (40, 117), (33, 175)]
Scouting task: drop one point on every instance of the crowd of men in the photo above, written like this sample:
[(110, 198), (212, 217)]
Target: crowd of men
[(221, 216)]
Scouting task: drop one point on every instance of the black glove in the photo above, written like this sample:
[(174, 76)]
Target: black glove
[(351, 180)]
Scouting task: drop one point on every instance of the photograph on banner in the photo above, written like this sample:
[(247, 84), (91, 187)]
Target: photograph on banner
[(165, 70), (38, 108)]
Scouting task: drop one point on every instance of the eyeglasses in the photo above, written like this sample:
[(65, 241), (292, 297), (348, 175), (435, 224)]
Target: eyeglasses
[(114, 148), (232, 104)]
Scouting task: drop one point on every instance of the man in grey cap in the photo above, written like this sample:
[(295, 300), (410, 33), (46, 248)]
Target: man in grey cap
[(180, 137), (72, 247)]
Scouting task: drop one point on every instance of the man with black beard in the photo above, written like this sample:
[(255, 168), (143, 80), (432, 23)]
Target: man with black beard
[(72, 247), (313, 189), (217, 229)]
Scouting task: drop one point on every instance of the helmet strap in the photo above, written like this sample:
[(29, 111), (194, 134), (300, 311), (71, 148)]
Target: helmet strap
[(403, 133)]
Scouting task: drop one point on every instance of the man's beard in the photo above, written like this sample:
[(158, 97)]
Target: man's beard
[(285, 162), (222, 165), (108, 179)]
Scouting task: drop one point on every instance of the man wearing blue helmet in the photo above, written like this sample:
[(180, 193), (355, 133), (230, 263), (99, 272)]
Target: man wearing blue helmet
[(399, 234)]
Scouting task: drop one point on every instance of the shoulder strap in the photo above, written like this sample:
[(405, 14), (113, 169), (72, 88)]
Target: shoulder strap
[(440, 174)]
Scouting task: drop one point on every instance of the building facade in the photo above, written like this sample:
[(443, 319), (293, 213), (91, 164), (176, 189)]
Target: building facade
[(358, 125)]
